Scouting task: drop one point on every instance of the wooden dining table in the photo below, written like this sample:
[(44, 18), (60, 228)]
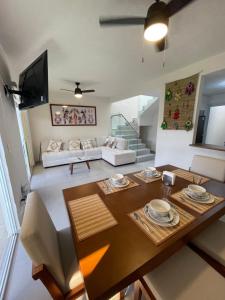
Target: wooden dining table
[(121, 254)]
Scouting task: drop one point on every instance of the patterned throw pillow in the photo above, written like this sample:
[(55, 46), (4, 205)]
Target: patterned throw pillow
[(74, 145), (107, 141), (54, 146), (86, 144), (112, 143)]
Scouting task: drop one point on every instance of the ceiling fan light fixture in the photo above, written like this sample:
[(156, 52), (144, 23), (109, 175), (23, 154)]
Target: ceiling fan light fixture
[(156, 23), (155, 32), (78, 95)]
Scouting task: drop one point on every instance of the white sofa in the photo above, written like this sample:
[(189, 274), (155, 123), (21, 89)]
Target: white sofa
[(115, 157)]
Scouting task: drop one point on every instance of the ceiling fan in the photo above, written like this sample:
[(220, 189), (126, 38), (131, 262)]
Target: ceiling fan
[(78, 93), (155, 23)]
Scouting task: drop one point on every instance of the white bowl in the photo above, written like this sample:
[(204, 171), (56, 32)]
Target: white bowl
[(196, 189), (117, 178), (150, 171), (160, 207)]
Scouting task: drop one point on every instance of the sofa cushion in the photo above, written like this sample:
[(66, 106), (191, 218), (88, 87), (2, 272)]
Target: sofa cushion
[(86, 144), (73, 145), (54, 146), (93, 153), (118, 157), (121, 144), (50, 159)]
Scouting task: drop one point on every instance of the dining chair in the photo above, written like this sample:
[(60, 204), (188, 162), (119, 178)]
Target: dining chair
[(209, 166), (52, 252), (210, 244), (183, 276)]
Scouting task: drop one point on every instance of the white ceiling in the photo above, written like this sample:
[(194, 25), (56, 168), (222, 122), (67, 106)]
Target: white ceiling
[(108, 60), (214, 83)]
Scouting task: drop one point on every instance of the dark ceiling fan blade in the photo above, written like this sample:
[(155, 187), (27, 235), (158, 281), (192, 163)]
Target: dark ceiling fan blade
[(121, 21), (67, 90), (161, 45), (176, 5), (88, 91)]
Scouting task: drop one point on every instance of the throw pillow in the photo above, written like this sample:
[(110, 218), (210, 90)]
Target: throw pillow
[(107, 141), (74, 145), (112, 143), (54, 146), (86, 144), (122, 144)]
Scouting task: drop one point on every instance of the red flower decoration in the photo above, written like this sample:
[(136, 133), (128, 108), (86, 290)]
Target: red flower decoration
[(176, 114)]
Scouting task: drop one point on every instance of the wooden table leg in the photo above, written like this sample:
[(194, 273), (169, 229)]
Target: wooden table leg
[(71, 168), (88, 165)]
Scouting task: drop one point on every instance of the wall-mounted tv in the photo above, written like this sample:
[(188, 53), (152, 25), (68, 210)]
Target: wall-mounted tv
[(33, 83)]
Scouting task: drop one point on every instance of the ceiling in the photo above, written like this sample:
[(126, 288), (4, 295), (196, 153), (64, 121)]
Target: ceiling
[(214, 83), (108, 60)]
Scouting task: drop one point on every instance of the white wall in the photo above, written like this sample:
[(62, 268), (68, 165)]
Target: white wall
[(10, 136), (173, 145), (216, 126), (149, 125), (41, 127), (127, 107)]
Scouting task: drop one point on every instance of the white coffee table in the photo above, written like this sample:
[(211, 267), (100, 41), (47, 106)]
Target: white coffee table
[(77, 160)]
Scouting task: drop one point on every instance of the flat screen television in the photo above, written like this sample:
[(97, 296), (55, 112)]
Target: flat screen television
[(33, 83)]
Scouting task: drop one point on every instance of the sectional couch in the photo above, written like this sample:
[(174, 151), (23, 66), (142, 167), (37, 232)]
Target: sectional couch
[(116, 156)]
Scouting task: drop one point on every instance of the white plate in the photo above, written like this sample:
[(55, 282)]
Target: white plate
[(210, 200), (166, 219), (174, 222), (202, 198), (157, 175), (119, 185)]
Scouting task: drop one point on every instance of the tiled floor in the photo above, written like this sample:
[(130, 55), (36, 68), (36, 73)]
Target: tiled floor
[(50, 183)]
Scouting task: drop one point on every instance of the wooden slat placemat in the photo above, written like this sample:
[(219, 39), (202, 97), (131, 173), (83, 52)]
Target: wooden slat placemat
[(90, 215), (201, 208), (107, 188), (140, 175), (159, 234), (189, 175)]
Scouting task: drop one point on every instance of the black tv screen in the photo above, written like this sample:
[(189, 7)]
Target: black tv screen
[(33, 83)]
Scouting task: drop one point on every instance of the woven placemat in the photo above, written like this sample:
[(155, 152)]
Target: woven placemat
[(201, 208), (90, 215), (107, 188), (142, 177), (189, 175), (157, 233)]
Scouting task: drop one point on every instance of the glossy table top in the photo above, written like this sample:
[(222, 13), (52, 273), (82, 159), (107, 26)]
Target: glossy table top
[(114, 258)]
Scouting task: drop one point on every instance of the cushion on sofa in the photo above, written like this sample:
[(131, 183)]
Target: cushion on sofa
[(87, 144), (74, 145), (118, 157), (93, 153), (121, 144), (54, 146)]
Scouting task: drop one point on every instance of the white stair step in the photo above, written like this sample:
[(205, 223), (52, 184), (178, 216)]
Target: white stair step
[(137, 146), (134, 141), (127, 136), (142, 151), (145, 157), (125, 132)]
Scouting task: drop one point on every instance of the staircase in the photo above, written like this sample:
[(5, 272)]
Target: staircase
[(122, 128)]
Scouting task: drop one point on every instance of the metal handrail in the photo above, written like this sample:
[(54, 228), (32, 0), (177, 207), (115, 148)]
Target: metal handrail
[(121, 115)]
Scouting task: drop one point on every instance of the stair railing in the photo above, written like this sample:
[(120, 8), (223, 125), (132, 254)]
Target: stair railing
[(122, 120)]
